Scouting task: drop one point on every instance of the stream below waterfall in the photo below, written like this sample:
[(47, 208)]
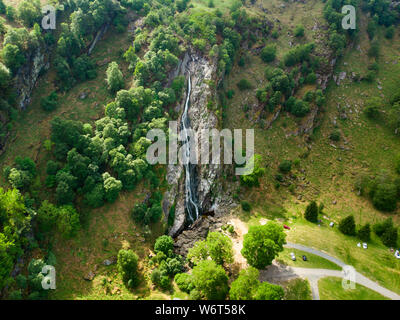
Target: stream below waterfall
[(190, 169)]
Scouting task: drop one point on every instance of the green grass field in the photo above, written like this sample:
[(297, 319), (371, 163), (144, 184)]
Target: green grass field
[(331, 289), (313, 261), (297, 289)]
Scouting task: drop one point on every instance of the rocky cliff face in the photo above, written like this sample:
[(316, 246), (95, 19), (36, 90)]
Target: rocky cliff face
[(28, 74), (210, 197)]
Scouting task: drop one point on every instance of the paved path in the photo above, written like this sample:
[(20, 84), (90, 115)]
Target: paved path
[(278, 272)]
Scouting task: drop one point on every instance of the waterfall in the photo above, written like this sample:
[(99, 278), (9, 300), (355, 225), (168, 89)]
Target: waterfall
[(191, 201)]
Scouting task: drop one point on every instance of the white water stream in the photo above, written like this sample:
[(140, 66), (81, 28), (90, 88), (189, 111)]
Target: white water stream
[(191, 202)]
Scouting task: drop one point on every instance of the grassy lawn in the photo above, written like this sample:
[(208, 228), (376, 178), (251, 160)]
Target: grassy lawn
[(331, 289), (297, 289), (376, 263), (313, 261)]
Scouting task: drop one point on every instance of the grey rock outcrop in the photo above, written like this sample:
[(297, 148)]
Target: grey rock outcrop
[(201, 118), (27, 75)]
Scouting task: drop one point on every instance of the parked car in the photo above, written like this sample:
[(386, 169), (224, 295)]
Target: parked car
[(286, 227), (397, 254), (292, 256), (304, 258), (365, 245)]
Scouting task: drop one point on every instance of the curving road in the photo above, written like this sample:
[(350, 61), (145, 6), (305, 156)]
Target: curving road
[(282, 273)]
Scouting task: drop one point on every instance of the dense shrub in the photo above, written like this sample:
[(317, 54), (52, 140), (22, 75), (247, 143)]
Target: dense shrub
[(364, 233), (311, 213), (285, 166), (244, 84), (268, 53), (210, 280), (246, 206), (127, 266), (164, 244), (348, 226), (387, 232), (184, 282), (50, 102)]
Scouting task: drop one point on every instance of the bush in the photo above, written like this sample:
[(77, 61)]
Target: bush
[(50, 102), (335, 136), (390, 32), (373, 51), (381, 227), (268, 291), (348, 226), (364, 233), (15, 295), (311, 213), (127, 265), (389, 237), (385, 197), (299, 31), (300, 108), (244, 287), (184, 282), (244, 84), (387, 232), (246, 206), (372, 107), (285, 166), (164, 244), (268, 53), (210, 280)]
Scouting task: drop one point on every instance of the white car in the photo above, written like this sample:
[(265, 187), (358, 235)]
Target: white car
[(365, 245), (292, 256), (397, 254), (359, 245)]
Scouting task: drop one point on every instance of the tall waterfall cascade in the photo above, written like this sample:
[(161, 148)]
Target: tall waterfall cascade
[(190, 184)]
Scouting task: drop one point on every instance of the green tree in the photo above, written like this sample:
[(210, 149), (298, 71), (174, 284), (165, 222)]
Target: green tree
[(47, 216), (12, 56), (364, 233), (348, 226), (216, 246), (29, 12), (385, 197), (285, 166), (299, 31), (68, 221), (184, 282), (253, 171), (210, 280), (268, 291), (262, 244), (220, 248), (311, 213), (127, 263), (268, 53), (115, 78), (246, 285), (164, 244), (5, 76), (112, 187)]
